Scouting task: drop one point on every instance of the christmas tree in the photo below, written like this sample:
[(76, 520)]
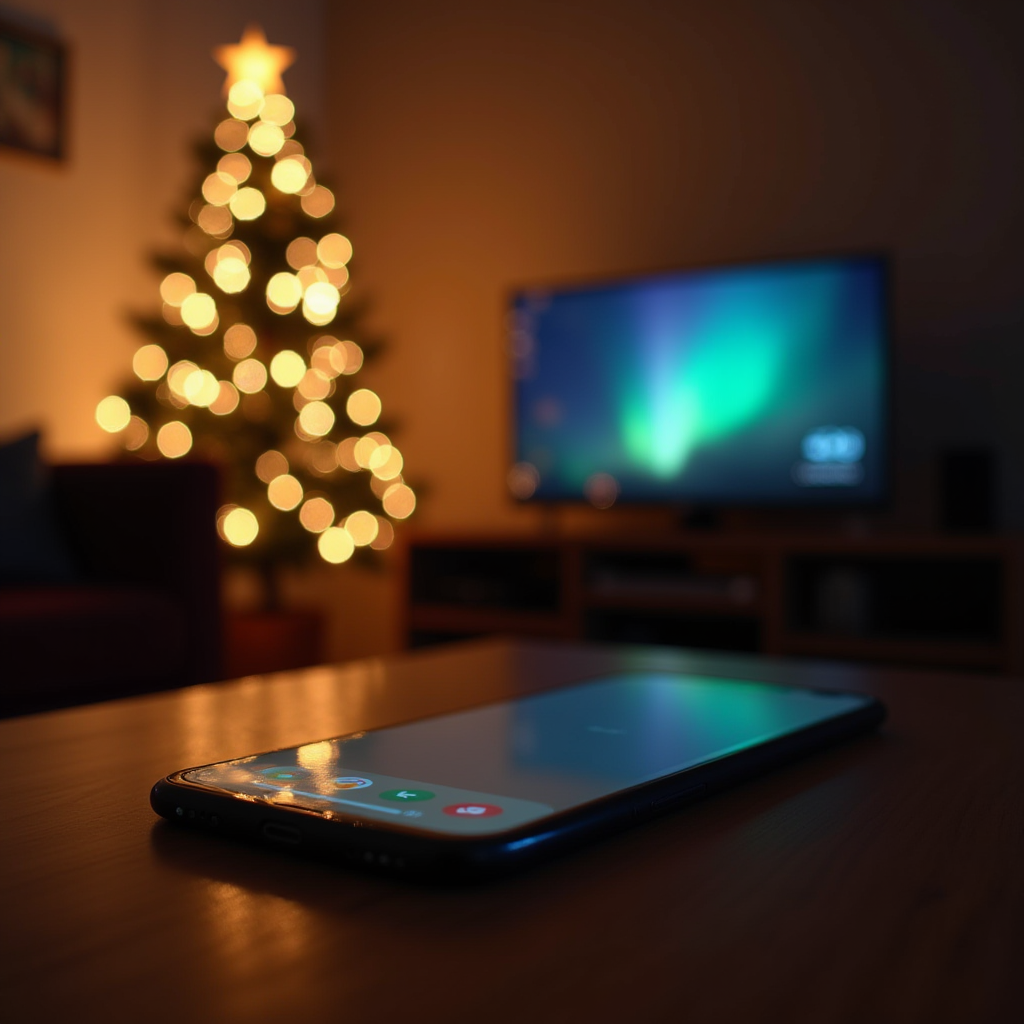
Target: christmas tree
[(253, 361)]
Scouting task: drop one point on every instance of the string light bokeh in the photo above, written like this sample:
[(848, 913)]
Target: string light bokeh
[(253, 358)]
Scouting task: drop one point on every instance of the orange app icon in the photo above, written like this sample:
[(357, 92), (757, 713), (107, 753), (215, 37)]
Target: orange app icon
[(351, 782)]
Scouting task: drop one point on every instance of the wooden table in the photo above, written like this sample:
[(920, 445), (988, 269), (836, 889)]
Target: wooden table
[(880, 881)]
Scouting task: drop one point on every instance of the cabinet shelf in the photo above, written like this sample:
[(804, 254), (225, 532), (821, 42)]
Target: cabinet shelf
[(708, 604), (449, 618), (928, 601)]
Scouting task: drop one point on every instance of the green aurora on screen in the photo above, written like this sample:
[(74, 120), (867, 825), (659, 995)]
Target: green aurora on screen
[(703, 385)]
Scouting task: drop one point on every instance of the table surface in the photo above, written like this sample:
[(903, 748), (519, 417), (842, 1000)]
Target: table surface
[(877, 881)]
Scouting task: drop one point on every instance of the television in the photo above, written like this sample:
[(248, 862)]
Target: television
[(762, 384)]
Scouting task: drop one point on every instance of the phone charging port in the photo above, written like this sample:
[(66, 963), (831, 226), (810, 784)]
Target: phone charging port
[(281, 833)]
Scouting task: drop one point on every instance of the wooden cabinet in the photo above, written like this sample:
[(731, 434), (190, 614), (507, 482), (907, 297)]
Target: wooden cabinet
[(929, 601)]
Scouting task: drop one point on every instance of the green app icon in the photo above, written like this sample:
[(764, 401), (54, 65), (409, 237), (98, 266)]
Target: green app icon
[(407, 796)]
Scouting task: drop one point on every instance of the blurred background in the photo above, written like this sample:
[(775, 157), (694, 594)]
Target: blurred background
[(474, 147)]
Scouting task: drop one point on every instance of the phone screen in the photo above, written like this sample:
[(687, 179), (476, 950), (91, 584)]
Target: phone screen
[(493, 768)]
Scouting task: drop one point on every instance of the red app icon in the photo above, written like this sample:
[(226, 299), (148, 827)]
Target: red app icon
[(472, 810)]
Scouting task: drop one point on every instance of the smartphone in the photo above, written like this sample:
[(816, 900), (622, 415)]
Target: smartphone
[(496, 787)]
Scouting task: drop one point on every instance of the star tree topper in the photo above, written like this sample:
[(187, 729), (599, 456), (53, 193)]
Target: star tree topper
[(255, 60)]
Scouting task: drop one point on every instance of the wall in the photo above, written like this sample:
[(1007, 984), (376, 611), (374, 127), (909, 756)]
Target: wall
[(75, 235), (487, 145), (477, 146)]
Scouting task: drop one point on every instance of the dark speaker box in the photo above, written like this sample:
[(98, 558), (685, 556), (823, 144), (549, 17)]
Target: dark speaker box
[(967, 490)]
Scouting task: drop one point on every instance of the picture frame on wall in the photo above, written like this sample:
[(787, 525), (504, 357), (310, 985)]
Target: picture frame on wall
[(33, 69)]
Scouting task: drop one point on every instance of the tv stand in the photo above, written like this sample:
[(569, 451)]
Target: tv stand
[(923, 600)]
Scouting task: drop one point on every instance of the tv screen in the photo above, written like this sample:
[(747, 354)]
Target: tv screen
[(761, 384)]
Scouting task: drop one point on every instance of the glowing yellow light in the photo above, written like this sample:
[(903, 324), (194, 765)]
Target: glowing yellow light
[(287, 368), (271, 464), (177, 375), (289, 175), (226, 401), (379, 487), (311, 275), (346, 454), (113, 414), (316, 514), (385, 535), (399, 501), (522, 480), (238, 248), (250, 376), (239, 341), (334, 250), (278, 110), (172, 314), (174, 439), (218, 188), (235, 250), (248, 203), (315, 385), (318, 203), (317, 319), (201, 388), (321, 298), (136, 434), (362, 526), (284, 492), (386, 462), (149, 362), (301, 252), (176, 288), (363, 451), (284, 292), (221, 514), (335, 545), (199, 310), (350, 356), (316, 419), (254, 58), (322, 457), (216, 220), (363, 407), (236, 166), (239, 527), (165, 394), (231, 134), (245, 99), (231, 275), (338, 276), (265, 139), (228, 251), (338, 356), (321, 362)]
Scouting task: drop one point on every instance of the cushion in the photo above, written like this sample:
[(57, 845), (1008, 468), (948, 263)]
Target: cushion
[(32, 550), (68, 644)]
